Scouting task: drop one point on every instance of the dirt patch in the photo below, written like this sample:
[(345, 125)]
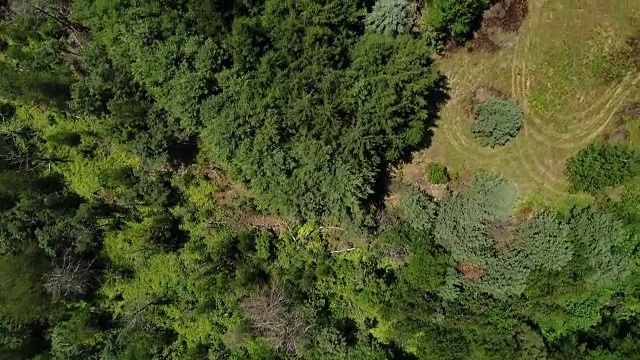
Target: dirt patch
[(527, 214), (621, 60), (484, 93), (267, 222), (230, 193), (438, 191), (414, 174), (237, 202), (392, 201), (482, 43), (620, 132), (506, 16), (230, 196), (470, 271), (398, 255), (633, 48), (628, 112), (415, 10), (502, 232), (243, 214), (451, 46), (217, 176), (480, 95)]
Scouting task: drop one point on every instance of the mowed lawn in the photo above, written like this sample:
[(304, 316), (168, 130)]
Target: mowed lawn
[(554, 68)]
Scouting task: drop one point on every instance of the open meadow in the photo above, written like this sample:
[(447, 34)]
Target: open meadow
[(568, 69)]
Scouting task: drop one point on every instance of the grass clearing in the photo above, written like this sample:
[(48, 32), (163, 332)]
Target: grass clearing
[(550, 71)]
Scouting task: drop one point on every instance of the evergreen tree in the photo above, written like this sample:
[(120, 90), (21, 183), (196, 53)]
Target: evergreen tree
[(389, 16)]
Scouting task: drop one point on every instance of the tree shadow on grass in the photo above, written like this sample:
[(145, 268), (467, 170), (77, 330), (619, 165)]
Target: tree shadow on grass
[(436, 99)]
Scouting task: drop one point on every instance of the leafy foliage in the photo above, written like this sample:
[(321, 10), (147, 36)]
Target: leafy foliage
[(598, 166), (389, 17), (418, 210), (494, 193), (32, 65), (598, 239), (437, 173), (506, 275), (545, 241), (497, 121), (455, 18), (462, 219), (275, 126), (160, 47), (121, 237)]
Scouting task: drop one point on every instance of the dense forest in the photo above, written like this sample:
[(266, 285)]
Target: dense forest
[(209, 179)]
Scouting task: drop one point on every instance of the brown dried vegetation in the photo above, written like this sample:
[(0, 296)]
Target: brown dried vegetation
[(478, 96), (269, 317), (470, 271), (620, 132), (506, 16), (502, 233)]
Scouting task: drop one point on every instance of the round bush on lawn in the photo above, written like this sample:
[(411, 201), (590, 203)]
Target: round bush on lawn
[(497, 121)]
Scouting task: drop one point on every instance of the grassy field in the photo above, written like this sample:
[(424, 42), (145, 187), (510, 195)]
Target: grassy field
[(554, 67)]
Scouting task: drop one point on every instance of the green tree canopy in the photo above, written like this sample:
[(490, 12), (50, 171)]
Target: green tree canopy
[(600, 165), (455, 18), (312, 126)]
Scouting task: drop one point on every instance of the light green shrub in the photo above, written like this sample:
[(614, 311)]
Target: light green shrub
[(497, 121), (389, 17), (437, 173), (418, 210)]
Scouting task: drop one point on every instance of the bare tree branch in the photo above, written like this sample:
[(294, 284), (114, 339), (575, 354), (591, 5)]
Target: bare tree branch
[(345, 250), (71, 278), (270, 318)]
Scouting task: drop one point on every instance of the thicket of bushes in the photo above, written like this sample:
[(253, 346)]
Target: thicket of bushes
[(120, 237)]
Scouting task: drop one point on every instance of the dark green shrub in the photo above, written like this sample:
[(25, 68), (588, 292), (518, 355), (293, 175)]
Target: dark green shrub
[(598, 239), (437, 173), (460, 225), (65, 138), (598, 166), (497, 121), (310, 139), (7, 110), (455, 18)]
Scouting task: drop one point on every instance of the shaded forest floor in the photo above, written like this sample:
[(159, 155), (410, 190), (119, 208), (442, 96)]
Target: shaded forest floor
[(572, 67)]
